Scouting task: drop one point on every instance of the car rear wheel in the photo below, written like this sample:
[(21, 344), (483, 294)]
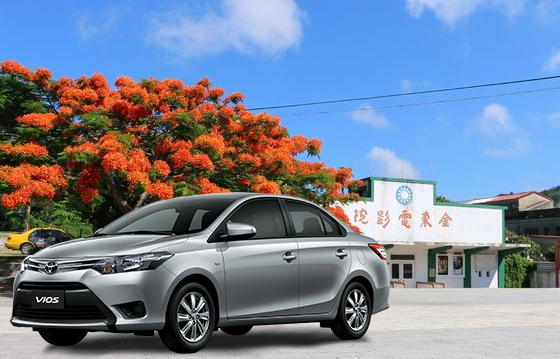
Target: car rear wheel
[(354, 313), (190, 319), (237, 330), (63, 337), (26, 248)]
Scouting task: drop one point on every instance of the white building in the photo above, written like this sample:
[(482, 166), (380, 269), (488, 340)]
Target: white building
[(458, 244)]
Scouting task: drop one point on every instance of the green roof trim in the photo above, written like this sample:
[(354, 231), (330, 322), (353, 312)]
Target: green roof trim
[(434, 184)]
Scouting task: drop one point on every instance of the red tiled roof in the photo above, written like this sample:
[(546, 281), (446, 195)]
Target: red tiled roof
[(509, 197)]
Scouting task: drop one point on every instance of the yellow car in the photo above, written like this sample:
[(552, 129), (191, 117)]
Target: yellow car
[(35, 239)]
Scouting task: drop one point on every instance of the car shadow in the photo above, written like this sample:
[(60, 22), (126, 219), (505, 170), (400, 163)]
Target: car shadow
[(259, 337)]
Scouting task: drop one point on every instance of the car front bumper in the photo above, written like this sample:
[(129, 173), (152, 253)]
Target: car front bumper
[(92, 301)]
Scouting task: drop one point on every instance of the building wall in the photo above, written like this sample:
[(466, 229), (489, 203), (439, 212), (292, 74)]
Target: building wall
[(484, 270), (535, 226), (404, 214), (420, 218), (535, 202)]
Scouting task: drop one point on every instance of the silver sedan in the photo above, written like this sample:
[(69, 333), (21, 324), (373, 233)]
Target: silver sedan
[(190, 265)]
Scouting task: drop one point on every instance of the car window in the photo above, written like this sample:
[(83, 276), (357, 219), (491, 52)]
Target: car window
[(265, 216), (178, 216), (159, 221), (331, 227), (306, 219), (59, 236), (40, 233)]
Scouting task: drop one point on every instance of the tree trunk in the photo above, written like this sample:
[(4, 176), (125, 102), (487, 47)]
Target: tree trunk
[(27, 218), (123, 206)]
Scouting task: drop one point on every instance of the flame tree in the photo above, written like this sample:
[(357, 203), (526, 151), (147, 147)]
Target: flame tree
[(137, 142)]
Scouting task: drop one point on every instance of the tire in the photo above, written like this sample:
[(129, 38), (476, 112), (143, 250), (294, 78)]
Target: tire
[(27, 248), (236, 330), (197, 324), (63, 337), (352, 320)]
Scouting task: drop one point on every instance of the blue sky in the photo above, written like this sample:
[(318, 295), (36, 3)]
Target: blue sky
[(280, 52)]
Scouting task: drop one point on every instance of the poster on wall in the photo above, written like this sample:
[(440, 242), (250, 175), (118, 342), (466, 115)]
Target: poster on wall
[(458, 265), (443, 265)]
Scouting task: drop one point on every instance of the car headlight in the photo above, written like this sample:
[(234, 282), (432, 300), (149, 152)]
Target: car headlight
[(24, 265), (131, 263)]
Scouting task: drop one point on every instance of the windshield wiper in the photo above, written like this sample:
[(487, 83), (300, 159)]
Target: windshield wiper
[(100, 234), (146, 232)]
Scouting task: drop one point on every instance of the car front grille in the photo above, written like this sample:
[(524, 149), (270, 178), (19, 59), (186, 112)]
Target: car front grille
[(52, 286), (39, 265), (77, 313), (80, 304)]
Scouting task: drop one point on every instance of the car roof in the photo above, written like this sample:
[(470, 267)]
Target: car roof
[(249, 195)]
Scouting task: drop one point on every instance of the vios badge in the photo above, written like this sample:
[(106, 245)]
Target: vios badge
[(404, 195), (51, 267)]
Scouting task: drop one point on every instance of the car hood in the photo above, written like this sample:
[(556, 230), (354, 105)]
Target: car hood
[(109, 246)]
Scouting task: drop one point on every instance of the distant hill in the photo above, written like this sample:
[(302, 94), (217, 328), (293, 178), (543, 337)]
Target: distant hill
[(553, 193)]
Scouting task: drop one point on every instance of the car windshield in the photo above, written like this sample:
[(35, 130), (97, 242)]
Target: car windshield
[(176, 216)]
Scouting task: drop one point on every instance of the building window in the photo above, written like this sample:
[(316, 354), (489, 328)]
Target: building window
[(402, 257), (558, 231), (546, 231)]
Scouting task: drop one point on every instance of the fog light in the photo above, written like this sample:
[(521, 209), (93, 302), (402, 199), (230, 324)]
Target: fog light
[(133, 309)]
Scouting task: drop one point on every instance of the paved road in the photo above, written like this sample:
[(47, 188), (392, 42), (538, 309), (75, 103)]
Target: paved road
[(421, 323)]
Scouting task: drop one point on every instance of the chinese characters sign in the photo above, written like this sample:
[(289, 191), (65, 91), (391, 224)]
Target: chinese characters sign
[(405, 219)]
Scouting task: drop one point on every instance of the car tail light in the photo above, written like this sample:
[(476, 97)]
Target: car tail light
[(379, 250)]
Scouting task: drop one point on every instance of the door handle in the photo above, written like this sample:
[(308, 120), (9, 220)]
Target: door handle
[(289, 257), (340, 253)]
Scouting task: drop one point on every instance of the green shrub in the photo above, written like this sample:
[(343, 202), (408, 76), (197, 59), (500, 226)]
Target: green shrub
[(518, 271)]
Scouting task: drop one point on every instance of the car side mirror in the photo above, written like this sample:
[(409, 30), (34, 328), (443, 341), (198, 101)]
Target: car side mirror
[(240, 230)]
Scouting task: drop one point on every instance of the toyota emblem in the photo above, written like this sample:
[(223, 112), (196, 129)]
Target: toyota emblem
[(51, 267)]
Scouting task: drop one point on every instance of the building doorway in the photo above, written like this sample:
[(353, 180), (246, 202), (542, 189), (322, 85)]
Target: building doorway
[(402, 269)]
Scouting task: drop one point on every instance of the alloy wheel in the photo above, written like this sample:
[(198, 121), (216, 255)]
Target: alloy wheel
[(193, 317), (356, 310)]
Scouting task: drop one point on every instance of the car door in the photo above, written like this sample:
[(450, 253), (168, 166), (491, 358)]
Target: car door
[(39, 238), (261, 273), (324, 257)]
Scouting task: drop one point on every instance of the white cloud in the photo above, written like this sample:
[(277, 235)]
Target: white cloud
[(495, 120), (270, 27), (91, 26), (517, 146), (496, 124), (451, 11), (548, 11), (554, 119), (367, 114), (406, 85), (553, 62), (391, 165)]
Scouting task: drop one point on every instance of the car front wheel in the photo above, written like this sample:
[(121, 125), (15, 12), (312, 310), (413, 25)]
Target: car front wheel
[(354, 313), (190, 319), (63, 337)]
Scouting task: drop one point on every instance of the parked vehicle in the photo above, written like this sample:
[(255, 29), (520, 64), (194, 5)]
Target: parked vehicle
[(36, 239), (188, 266)]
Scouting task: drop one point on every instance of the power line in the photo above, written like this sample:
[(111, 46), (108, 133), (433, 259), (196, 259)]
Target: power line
[(436, 102), (401, 94)]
